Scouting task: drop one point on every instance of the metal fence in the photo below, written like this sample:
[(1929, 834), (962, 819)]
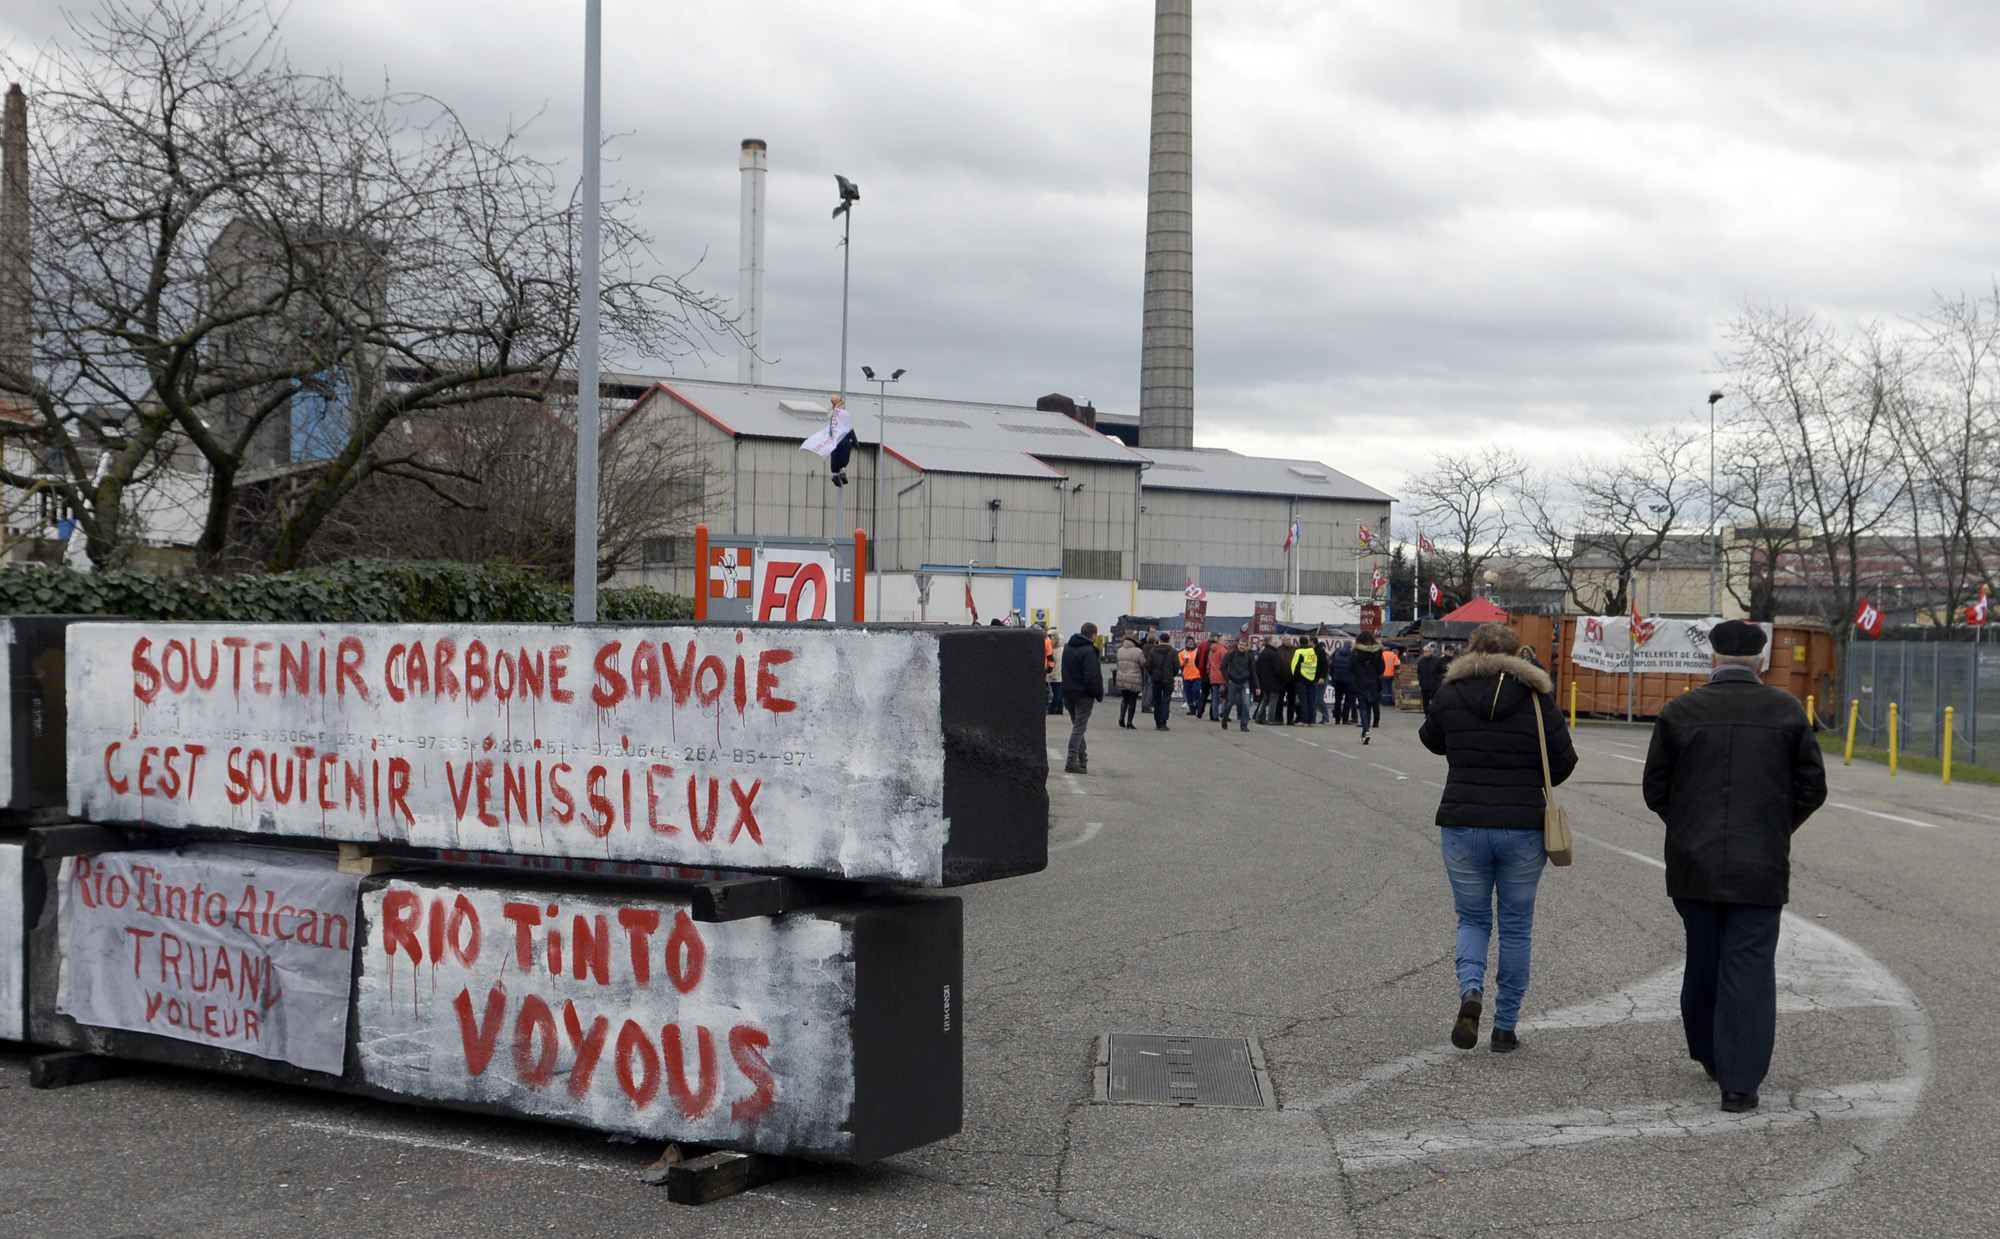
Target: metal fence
[(1921, 678)]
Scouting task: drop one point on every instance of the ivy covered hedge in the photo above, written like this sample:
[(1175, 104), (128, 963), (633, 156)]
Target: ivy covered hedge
[(357, 591)]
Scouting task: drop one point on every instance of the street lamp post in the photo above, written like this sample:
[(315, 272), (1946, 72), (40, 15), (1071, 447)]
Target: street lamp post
[(584, 571), (881, 446), (850, 193), (1713, 397)]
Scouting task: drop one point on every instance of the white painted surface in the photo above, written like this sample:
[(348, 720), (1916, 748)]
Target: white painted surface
[(773, 994), (812, 750), (249, 949), (13, 947)]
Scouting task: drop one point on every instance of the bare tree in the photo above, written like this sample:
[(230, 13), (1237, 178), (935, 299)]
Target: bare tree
[(1947, 437), (1460, 503), (501, 487), (1754, 496), (244, 270), (1832, 402)]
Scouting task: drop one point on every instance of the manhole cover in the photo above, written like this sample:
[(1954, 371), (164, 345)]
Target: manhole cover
[(1183, 1071)]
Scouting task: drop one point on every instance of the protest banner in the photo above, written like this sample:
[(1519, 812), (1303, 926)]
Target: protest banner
[(895, 755), (250, 949), (1675, 646), (13, 946)]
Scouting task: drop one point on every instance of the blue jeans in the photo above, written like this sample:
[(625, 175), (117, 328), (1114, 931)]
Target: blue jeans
[(1485, 862), (1239, 701)]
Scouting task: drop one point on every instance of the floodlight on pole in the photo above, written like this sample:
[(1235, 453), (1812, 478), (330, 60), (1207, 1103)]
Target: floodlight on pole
[(1714, 397), (584, 580), (881, 446)]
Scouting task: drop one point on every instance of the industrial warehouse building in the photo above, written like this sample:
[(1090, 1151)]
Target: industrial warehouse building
[(1031, 507)]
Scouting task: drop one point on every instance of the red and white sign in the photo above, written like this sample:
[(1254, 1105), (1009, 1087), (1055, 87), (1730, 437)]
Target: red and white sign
[(1378, 579), (729, 571), (1193, 592), (1606, 643), (793, 585), (1641, 629), (249, 949), (621, 1013), (817, 750), (1867, 618)]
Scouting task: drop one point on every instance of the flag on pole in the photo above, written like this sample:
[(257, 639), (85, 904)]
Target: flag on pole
[(1292, 536), (1975, 614), (1380, 580), (1867, 618), (1193, 592), (1437, 595), (1424, 545), (1642, 629), (968, 598), (1367, 538)]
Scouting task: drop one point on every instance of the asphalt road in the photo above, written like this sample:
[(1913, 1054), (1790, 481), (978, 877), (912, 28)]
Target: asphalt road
[(1283, 884)]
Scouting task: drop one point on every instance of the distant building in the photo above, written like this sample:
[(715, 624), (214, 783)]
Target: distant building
[(1033, 507)]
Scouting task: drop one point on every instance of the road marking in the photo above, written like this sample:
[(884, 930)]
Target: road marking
[(1428, 783), (1818, 970), (1075, 788), (1379, 766), (1392, 1149), (1619, 756), (1090, 830), (1855, 808), (457, 1146)]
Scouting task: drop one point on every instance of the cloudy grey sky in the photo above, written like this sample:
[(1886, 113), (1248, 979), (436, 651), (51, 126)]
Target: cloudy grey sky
[(1416, 224)]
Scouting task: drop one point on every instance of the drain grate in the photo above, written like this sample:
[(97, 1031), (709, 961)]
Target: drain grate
[(1183, 1071)]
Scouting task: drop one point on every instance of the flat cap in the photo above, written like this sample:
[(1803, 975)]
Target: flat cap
[(1736, 638)]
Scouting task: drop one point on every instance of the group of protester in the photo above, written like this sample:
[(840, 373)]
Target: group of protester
[(1733, 770)]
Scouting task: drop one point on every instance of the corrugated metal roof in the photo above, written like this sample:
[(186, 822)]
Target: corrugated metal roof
[(1006, 440), (787, 413), (1211, 469)]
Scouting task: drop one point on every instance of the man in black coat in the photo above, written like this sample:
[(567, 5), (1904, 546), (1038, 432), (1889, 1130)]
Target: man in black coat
[(1430, 673), (1734, 769), (1273, 680), (1163, 672), (1083, 688)]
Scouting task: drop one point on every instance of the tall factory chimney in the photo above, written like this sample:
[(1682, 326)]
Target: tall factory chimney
[(16, 346), (750, 265), (1166, 354)]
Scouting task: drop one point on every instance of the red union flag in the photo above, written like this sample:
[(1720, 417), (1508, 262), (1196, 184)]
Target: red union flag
[(1975, 614), (1867, 618), (1380, 580), (1642, 629), (1437, 595), (1424, 545), (1193, 592), (1367, 538)]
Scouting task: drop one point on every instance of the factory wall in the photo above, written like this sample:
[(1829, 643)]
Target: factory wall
[(1235, 543)]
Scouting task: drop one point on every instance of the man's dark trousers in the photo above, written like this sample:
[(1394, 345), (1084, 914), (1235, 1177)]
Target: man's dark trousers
[(1163, 701), (1729, 995)]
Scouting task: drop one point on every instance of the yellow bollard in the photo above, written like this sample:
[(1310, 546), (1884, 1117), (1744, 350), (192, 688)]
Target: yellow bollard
[(1572, 705), (1853, 717), (1812, 711), (1892, 737), (1947, 746)]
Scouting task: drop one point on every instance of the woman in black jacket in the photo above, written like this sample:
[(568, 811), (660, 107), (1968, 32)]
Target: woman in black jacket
[(1367, 667), (1483, 722)]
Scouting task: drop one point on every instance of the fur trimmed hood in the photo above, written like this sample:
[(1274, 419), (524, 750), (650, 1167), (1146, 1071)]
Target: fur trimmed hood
[(1480, 666)]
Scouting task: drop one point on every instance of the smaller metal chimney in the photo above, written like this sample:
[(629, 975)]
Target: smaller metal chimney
[(750, 267), (16, 280)]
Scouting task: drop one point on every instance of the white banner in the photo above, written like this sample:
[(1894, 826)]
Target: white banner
[(622, 1014), (1676, 646), (13, 946), (250, 949), (816, 750)]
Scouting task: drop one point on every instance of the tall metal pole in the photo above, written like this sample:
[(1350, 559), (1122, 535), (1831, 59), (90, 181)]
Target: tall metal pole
[(846, 263), (586, 364), (1713, 397)]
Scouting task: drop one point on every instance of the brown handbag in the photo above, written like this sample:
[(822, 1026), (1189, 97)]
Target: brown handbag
[(1555, 822)]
